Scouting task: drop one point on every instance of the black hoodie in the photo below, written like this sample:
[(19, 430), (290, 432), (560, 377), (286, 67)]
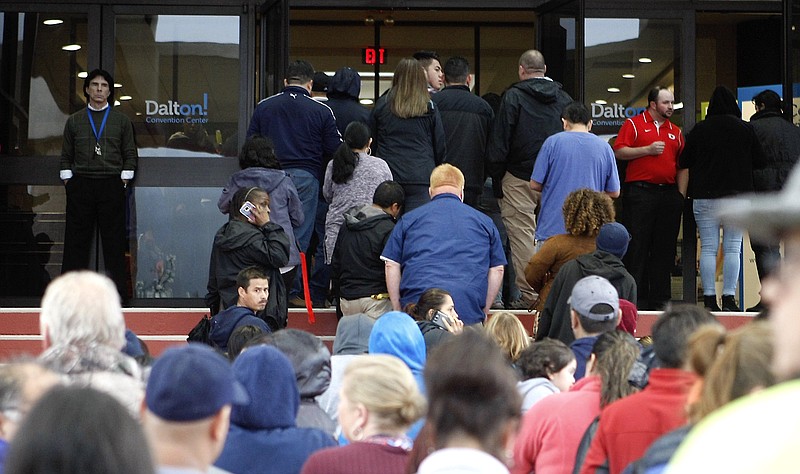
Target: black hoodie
[(555, 321), (529, 113), (343, 91), (357, 270)]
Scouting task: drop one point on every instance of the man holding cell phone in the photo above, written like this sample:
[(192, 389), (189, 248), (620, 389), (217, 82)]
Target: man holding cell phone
[(248, 239)]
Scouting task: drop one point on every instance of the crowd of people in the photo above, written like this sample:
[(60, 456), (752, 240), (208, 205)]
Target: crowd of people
[(426, 374)]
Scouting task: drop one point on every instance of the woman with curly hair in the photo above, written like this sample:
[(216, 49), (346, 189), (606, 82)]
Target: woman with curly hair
[(585, 211)]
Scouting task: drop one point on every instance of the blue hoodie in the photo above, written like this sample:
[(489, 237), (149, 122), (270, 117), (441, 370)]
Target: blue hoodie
[(396, 333), (263, 436), (225, 322)]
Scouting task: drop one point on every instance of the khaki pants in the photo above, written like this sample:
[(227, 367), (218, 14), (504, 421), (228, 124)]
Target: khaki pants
[(517, 210), (369, 306)]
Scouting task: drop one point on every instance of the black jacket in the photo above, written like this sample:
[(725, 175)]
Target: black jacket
[(411, 147), (467, 120), (529, 113), (357, 270), (555, 321), (721, 153), (780, 141), (238, 245)]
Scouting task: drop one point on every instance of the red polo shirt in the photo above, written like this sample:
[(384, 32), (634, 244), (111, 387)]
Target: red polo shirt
[(641, 130)]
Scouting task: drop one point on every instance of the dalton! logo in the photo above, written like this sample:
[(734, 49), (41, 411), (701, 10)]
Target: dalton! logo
[(174, 112)]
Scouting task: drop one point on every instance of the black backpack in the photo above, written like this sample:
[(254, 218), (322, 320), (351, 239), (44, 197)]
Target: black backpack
[(201, 332)]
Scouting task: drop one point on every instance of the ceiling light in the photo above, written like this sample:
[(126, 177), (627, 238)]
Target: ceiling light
[(53, 22), (71, 47), (677, 106), (645, 60), (125, 97), (628, 76), (83, 74), (117, 103), (613, 89), (117, 85), (600, 101), (366, 101)]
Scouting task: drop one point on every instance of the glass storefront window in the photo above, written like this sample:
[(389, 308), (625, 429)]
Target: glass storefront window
[(178, 80), (41, 57), (175, 229), (624, 59)]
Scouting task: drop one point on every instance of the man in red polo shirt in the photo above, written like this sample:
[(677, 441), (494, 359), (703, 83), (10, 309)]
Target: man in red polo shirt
[(652, 199)]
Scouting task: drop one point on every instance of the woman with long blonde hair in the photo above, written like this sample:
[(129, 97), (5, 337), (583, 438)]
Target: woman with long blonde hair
[(408, 132)]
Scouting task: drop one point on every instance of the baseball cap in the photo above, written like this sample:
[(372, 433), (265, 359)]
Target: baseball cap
[(190, 383), (321, 81), (765, 216), (595, 298), (614, 239)]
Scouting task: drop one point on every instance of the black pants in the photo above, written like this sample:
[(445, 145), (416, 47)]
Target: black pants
[(652, 215), (96, 202)]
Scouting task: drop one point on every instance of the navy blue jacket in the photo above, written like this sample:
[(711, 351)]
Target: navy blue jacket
[(225, 322), (263, 436), (302, 129)]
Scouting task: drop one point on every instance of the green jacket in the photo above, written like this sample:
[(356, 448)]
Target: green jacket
[(116, 142)]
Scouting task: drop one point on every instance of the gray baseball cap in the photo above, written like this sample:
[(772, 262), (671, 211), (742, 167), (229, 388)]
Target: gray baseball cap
[(595, 298)]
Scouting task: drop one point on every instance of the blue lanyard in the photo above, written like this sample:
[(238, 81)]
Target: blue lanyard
[(102, 125)]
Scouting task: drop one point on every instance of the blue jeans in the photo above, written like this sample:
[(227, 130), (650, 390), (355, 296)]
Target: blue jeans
[(308, 190), (708, 226)]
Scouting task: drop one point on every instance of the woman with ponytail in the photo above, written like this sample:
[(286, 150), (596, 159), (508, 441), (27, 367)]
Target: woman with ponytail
[(351, 178), (552, 429)]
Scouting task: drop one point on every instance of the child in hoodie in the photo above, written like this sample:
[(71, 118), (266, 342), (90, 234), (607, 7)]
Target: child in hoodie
[(548, 367)]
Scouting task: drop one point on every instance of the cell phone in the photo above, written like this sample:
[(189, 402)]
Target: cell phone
[(439, 319), (247, 210)]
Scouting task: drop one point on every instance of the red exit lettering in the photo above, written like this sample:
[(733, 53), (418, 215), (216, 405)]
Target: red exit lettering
[(373, 55)]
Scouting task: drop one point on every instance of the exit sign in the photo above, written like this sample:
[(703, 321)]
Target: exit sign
[(373, 55)]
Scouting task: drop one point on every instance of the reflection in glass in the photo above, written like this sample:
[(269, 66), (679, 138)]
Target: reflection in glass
[(174, 231), (617, 79), (182, 76), (40, 86)]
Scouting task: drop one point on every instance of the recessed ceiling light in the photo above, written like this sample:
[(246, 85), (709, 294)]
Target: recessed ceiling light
[(600, 101), (366, 101), (117, 103), (613, 89), (53, 22), (645, 60), (125, 97), (71, 47), (677, 106), (628, 76), (117, 85), (83, 75)]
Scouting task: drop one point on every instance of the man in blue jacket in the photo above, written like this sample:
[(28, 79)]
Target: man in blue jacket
[(305, 135), (253, 287)]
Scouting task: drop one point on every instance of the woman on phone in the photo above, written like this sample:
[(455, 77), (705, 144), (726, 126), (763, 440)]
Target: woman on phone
[(436, 316)]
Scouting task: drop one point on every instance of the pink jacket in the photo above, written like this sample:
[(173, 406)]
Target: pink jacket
[(552, 429)]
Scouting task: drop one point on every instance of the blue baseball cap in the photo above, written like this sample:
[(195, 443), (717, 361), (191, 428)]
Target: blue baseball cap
[(191, 383)]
